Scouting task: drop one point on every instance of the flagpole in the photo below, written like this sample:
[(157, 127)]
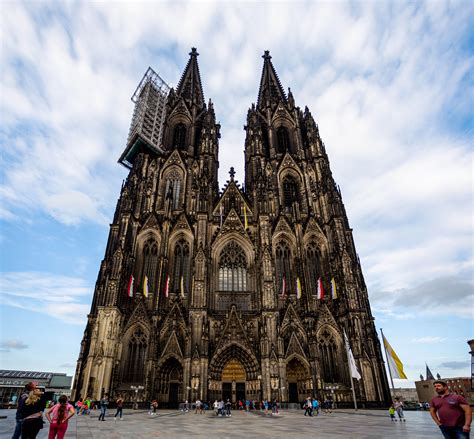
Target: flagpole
[(388, 362), (352, 378)]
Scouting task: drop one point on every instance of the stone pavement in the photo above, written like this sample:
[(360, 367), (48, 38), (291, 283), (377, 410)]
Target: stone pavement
[(370, 424)]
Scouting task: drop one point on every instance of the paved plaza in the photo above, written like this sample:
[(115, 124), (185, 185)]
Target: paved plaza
[(289, 424)]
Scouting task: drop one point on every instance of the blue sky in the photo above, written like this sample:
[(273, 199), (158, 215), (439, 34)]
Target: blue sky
[(389, 84)]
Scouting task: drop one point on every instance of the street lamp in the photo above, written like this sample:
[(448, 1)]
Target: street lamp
[(137, 389), (332, 388), (471, 345), (259, 378)]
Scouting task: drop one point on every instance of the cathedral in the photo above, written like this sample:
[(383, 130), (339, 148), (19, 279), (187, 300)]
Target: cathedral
[(243, 292)]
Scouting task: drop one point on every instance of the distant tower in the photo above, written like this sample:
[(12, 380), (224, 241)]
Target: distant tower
[(232, 309)]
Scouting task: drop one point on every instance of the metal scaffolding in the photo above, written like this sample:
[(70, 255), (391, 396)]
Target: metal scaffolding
[(148, 116)]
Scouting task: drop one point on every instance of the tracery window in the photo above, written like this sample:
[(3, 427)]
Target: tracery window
[(150, 263), (179, 136), (290, 191), (283, 140), (314, 266), (181, 266), (283, 267), (135, 362), (330, 372), (173, 189), (232, 268)]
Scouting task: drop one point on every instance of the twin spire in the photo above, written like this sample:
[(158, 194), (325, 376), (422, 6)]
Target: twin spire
[(269, 92)]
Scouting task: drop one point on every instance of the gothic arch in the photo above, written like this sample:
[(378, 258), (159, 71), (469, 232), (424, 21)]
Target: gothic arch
[(173, 184), (148, 252), (136, 345), (284, 255), (238, 352), (332, 361)]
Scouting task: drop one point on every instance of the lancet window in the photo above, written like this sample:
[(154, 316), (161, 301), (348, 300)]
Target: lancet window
[(150, 263), (232, 268), (179, 136), (314, 266), (181, 267), (135, 365), (283, 268), (283, 140), (290, 191), (173, 189), (330, 366)]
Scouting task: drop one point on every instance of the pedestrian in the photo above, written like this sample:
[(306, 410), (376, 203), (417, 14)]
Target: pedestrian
[(154, 406), (228, 405), (119, 402), (24, 395), (198, 406), (31, 414), (274, 407), (315, 407), (104, 402), (451, 412), (58, 417), (391, 412), (308, 407), (241, 405), (220, 407), (87, 404), (399, 409)]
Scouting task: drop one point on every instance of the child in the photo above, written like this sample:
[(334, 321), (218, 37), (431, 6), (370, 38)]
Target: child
[(391, 412), (58, 416)]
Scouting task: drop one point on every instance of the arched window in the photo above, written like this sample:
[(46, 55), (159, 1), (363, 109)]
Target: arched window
[(181, 266), (314, 266), (135, 361), (283, 140), (173, 189), (179, 136), (283, 268), (290, 192), (150, 264), (232, 268), (330, 366)]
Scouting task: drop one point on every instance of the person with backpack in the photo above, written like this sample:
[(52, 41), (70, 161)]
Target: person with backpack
[(58, 416)]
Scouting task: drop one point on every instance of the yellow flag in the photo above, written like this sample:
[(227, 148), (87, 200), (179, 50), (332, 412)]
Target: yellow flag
[(145, 286), (245, 218), (182, 286), (333, 289), (396, 366), (298, 288)]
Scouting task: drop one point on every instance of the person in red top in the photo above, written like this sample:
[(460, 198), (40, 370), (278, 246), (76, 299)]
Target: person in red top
[(450, 412)]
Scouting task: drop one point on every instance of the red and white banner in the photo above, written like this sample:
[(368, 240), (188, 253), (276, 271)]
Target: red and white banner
[(320, 289), (130, 287), (167, 286)]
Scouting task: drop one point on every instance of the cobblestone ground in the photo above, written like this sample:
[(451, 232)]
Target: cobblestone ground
[(370, 424)]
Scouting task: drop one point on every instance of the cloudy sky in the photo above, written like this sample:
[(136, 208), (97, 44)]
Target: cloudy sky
[(389, 84)]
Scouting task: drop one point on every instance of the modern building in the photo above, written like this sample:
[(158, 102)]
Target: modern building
[(12, 384), (459, 385), (405, 394), (243, 292)]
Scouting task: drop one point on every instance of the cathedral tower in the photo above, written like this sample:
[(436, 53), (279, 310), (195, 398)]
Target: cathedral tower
[(224, 285)]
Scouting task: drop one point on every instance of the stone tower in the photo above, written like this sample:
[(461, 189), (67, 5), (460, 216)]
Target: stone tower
[(232, 308)]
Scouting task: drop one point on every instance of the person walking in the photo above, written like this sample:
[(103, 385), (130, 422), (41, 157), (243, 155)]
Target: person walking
[(21, 401), (391, 412), (399, 409), (31, 414), (315, 407), (228, 405), (104, 402), (119, 402), (308, 407), (58, 416), (451, 412)]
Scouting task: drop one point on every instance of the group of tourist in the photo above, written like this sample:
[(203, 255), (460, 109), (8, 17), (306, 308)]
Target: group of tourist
[(29, 415)]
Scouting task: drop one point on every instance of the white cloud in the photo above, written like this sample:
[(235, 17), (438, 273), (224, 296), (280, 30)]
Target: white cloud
[(428, 339), (57, 296), (7, 345)]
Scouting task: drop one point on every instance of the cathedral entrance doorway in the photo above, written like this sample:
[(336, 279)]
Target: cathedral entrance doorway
[(233, 381), (170, 379), (298, 379)]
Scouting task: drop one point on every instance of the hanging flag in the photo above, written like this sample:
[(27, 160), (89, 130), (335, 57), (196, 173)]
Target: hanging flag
[(245, 218), (320, 295), (283, 287), (429, 375), (167, 286), (182, 286), (333, 289), (298, 288), (394, 363), (145, 286), (130, 286), (352, 364), (221, 208)]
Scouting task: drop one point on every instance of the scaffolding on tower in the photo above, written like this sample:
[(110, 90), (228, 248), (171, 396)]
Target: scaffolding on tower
[(146, 129)]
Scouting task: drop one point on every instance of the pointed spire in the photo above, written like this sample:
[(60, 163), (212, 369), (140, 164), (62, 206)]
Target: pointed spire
[(189, 86), (270, 90)]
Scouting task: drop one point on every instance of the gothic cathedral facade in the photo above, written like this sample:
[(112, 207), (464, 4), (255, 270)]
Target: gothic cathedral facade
[(207, 294)]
